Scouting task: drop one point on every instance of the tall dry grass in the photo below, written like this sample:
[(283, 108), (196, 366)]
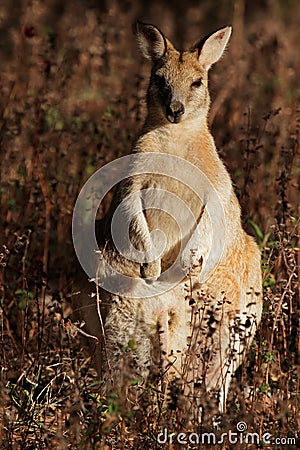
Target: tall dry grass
[(72, 89)]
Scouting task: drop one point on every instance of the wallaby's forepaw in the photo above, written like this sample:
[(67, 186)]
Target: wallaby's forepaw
[(151, 270)]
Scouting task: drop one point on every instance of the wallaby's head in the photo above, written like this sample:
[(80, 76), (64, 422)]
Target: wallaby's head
[(178, 84)]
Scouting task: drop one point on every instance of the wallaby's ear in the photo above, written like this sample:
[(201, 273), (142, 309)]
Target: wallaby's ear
[(211, 48), (152, 42)]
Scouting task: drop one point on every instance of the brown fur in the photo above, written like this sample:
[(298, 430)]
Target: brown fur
[(230, 300)]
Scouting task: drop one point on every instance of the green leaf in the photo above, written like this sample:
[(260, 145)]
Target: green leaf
[(22, 304), (257, 230), (264, 388), (20, 292)]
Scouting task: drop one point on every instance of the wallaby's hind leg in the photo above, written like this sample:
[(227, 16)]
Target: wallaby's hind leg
[(174, 343), (222, 331), (128, 341)]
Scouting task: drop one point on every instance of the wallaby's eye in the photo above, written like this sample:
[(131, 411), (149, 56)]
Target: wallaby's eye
[(159, 81), (197, 83)]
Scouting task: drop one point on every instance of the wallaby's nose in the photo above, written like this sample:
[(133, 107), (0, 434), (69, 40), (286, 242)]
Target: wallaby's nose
[(174, 111)]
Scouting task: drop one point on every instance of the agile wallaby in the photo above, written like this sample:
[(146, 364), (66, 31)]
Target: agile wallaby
[(213, 252)]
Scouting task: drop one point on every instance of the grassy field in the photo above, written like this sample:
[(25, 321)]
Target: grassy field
[(72, 89)]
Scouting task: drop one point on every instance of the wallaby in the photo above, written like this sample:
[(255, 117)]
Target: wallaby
[(203, 323)]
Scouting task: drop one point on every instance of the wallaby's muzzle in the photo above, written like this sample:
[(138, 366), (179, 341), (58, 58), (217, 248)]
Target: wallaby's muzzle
[(174, 111)]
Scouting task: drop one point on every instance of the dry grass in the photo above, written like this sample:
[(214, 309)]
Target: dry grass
[(71, 89)]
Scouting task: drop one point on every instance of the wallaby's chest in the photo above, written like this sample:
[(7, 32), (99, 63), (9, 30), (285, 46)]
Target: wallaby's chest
[(169, 206)]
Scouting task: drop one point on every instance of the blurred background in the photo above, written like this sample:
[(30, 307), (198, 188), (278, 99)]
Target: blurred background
[(72, 91)]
